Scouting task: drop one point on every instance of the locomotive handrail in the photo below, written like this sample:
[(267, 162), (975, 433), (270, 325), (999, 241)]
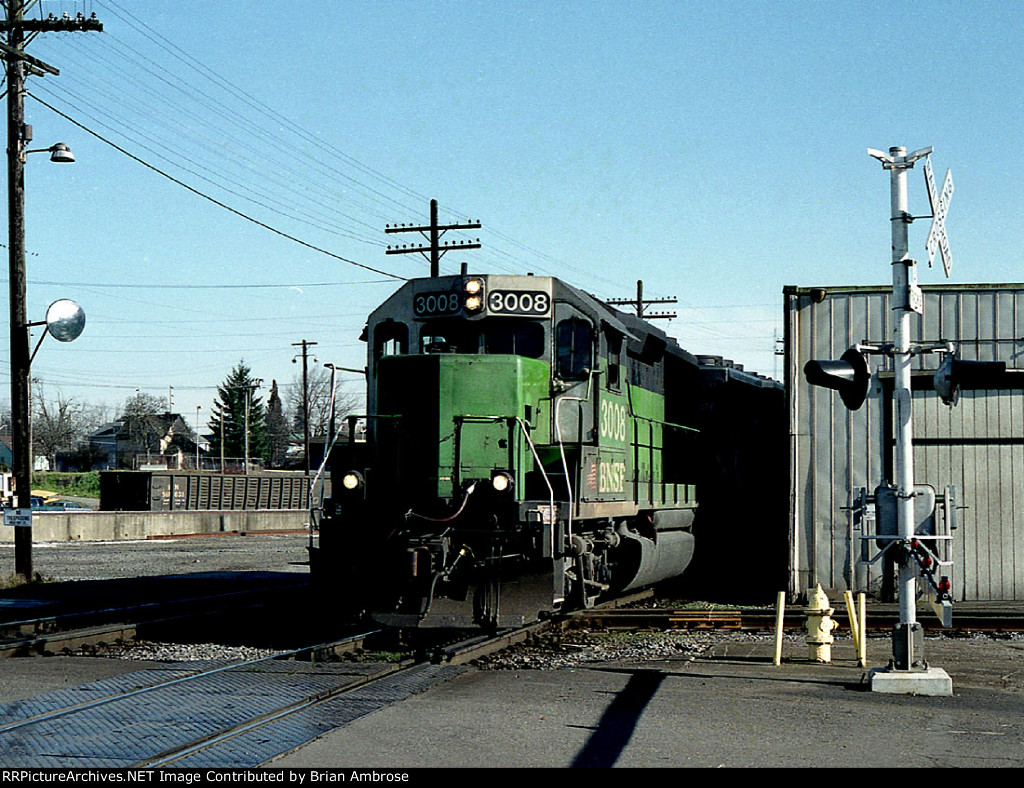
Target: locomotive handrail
[(660, 421), (547, 481), (561, 451), (313, 508)]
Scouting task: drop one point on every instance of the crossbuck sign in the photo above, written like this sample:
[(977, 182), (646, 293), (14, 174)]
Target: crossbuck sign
[(940, 206)]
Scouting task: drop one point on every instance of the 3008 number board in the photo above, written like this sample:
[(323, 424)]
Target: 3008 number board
[(511, 302), (430, 304)]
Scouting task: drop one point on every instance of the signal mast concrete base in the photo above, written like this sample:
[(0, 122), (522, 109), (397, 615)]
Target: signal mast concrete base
[(931, 682)]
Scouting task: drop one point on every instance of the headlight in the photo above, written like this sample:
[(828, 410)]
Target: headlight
[(353, 480), (473, 303), (501, 481), (473, 286)]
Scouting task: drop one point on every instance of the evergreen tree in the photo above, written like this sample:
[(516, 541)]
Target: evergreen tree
[(278, 434), (228, 424)]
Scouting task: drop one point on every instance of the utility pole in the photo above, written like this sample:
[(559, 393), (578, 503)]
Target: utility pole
[(640, 303), (305, 394), (432, 233), (255, 384), (16, 26)]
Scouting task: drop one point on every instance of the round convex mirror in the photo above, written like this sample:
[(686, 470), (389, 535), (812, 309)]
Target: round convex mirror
[(65, 320)]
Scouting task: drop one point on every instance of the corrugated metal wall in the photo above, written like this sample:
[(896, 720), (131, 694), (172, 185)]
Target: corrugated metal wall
[(977, 446)]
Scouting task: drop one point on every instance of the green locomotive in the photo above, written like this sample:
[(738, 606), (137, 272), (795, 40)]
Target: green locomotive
[(528, 449)]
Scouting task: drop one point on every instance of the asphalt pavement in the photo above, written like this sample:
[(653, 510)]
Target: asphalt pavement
[(731, 708), (727, 707)]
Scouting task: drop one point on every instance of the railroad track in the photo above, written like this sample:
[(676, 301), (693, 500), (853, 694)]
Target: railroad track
[(73, 630), (241, 714), (760, 619)]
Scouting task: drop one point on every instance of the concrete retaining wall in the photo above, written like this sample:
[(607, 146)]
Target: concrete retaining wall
[(112, 526)]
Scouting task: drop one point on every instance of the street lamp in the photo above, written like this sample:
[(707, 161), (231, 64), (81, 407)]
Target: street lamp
[(306, 345), (19, 134), (198, 408), (59, 152), (249, 389)]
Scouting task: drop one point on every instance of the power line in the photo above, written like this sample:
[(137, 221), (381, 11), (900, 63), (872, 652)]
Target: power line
[(213, 200)]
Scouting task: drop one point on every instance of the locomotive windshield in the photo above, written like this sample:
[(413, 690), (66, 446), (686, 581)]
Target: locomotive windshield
[(575, 346), (498, 336)]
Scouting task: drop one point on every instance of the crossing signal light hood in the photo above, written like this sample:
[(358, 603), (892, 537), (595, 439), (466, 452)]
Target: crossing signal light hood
[(953, 373), (849, 376)]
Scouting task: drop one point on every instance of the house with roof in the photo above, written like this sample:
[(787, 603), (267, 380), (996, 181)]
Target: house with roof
[(160, 440)]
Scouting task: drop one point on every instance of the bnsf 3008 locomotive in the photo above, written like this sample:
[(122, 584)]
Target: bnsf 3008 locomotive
[(528, 449)]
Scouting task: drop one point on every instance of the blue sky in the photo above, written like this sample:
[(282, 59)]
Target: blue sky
[(715, 150)]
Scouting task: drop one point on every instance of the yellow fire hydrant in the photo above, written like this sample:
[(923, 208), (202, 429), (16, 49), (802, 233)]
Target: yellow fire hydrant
[(819, 625)]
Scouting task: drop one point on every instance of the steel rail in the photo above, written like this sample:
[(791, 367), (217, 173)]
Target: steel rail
[(174, 754), (125, 609), (668, 618), (59, 639), (354, 641), (459, 653)]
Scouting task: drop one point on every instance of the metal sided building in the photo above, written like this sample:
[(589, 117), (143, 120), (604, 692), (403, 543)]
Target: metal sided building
[(977, 446)]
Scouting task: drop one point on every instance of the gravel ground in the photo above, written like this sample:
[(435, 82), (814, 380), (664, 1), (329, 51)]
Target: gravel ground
[(76, 561), (172, 652), (66, 561), (589, 648), (71, 561)]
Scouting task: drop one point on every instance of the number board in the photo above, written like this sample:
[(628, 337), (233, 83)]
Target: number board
[(518, 302), (431, 304)]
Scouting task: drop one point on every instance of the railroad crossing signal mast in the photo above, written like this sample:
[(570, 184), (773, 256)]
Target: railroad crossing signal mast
[(908, 672), (907, 298)]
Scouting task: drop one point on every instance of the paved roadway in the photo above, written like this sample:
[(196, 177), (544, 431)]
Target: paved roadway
[(731, 707)]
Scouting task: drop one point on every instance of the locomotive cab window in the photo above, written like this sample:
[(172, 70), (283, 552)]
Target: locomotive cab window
[(514, 338), (448, 336), (613, 357), (390, 339), (575, 338)]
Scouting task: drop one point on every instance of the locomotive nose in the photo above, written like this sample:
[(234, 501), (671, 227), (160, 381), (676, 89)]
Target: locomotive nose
[(453, 419)]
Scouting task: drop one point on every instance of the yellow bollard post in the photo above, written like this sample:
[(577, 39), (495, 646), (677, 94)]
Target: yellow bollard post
[(851, 613), (780, 610), (863, 621)]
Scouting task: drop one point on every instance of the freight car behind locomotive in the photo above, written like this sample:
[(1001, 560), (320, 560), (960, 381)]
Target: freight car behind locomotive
[(528, 449)]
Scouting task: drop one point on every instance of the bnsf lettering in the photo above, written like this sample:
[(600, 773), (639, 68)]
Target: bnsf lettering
[(613, 477), (614, 420)]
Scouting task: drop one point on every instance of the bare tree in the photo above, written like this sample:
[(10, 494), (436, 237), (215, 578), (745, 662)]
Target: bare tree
[(58, 424), (347, 401), (142, 423), (143, 404)]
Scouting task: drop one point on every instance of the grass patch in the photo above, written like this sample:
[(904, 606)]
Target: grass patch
[(75, 485), (17, 581)]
